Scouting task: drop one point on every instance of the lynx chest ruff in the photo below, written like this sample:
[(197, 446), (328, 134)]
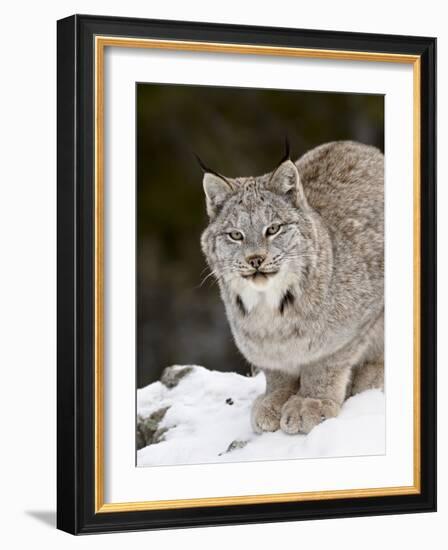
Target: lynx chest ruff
[(267, 328)]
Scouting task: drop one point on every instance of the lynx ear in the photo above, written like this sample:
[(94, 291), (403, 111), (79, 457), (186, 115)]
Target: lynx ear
[(217, 190), (285, 180)]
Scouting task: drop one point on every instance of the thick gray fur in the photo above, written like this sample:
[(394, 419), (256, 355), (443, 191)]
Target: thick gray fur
[(312, 318)]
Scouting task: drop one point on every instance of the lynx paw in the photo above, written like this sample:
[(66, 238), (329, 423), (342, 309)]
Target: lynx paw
[(302, 414), (266, 411)]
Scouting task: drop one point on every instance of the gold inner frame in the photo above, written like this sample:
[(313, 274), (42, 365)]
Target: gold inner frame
[(101, 42)]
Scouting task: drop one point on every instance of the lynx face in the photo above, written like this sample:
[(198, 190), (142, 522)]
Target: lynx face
[(257, 233)]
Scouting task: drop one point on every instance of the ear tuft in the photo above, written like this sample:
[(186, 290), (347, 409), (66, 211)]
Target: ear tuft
[(217, 190)]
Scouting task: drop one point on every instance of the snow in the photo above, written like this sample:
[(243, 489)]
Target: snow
[(208, 421)]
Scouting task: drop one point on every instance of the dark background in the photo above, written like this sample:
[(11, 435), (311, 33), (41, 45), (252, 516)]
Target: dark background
[(237, 132)]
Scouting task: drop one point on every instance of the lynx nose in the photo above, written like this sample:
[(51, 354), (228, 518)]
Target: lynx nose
[(255, 261)]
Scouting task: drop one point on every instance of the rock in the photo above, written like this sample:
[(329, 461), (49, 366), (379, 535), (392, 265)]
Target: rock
[(171, 376), (234, 445), (148, 431)]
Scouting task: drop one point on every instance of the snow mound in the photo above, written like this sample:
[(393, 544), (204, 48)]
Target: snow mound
[(203, 416)]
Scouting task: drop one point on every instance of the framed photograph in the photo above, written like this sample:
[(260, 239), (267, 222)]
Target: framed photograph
[(246, 274)]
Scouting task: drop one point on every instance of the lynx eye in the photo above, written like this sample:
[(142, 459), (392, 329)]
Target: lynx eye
[(273, 229), (236, 235)]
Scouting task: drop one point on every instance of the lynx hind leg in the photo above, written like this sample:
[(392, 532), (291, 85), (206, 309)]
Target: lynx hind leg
[(267, 408), (367, 377)]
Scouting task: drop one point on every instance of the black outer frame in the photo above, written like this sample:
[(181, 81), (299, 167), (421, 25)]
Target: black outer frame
[(75, 294)]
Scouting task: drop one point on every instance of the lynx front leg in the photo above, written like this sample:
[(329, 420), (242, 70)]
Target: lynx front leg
[(267, 408), (322, 392)]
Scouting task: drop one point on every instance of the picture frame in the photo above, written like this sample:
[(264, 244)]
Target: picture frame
[(82, 41)]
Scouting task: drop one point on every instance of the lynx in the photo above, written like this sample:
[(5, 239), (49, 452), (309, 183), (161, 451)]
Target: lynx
[(298, 254)]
